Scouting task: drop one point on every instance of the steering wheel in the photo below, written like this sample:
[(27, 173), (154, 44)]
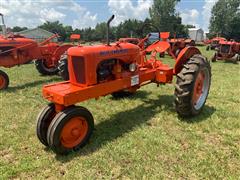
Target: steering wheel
[(146, 28)]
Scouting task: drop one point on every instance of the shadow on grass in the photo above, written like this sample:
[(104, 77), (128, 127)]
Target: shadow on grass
[(123, 122), (31, 84), (206, 112)]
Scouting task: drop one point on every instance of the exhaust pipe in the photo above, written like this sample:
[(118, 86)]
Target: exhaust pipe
[(108, 29), (3, 26)]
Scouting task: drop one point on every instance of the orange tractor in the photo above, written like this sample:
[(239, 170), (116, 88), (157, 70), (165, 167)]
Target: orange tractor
[(115, 68), (17, 50), (213, 44), (228, 50), (177, 44)]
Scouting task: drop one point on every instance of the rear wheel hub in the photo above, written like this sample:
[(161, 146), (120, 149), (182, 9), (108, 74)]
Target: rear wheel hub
[(201, 88)]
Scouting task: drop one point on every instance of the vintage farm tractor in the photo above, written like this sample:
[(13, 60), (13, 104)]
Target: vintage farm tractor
[(17, 50), (214, 43), (228, 50), (178, 44), (115, 68)]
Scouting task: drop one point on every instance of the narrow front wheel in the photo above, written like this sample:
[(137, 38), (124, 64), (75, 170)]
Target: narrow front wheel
[(44, 119)]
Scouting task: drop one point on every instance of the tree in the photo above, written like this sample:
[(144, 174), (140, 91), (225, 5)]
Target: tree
[(68, 32), (129, 28), (100, 31), (163, 14), (18, 29), (55, 27), (225, 19), (190, 26)]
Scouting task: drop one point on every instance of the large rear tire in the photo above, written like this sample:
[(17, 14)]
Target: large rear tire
[(4, 80), (192, 86), (43, 69), (70, 130), (63, 68)]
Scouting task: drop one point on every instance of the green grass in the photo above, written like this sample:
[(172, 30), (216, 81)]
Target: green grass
[(139, 137)]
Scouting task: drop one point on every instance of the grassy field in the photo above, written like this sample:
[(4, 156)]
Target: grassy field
[(136, 138)]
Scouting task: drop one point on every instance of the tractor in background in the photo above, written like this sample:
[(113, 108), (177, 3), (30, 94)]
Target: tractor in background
[(177, 44), (17, 50), (228, 51), (100, 70), (213, 44)]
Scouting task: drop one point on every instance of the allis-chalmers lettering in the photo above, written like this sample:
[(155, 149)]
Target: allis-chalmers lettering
[(120, 51)]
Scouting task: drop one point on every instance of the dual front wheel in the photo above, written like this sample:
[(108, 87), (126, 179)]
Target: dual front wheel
[(65, 131)]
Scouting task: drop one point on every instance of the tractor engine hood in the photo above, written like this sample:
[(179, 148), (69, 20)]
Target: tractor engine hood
[(114, 51)]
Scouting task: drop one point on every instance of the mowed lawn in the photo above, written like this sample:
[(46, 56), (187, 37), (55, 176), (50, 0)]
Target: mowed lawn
[(134, 138)]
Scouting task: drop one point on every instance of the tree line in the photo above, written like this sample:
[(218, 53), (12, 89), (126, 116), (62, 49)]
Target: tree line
[(225, 21)]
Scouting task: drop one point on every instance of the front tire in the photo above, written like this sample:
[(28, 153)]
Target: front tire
[(4, 80), (44, 119), (42, 67), (70, 130), (192, 86)]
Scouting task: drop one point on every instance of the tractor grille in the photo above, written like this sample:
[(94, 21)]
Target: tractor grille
[(225, 49), (79, 69)]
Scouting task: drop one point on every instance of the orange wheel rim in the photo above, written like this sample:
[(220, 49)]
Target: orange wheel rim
[(74, 132), (2, 82), (198, 87)]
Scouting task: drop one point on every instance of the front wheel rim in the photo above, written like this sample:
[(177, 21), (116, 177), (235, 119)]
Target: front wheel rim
[(73, 132), (201, 88), (2, 82)]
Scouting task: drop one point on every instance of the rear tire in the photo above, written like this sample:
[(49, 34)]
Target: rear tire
[(4, 80), (43, 69), (70, 130), (192, 86), (44, 119), (63, 69)]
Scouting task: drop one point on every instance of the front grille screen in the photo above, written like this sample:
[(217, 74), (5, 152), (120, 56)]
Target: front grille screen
[(79, 69)]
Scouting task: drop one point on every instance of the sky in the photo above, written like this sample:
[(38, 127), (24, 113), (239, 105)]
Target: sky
[(87, 13)]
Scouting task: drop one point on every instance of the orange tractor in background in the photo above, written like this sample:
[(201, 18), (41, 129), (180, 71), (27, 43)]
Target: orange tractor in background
[(213, 44), (177, 44), (115, 68), (17, 50), (228, 51)]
